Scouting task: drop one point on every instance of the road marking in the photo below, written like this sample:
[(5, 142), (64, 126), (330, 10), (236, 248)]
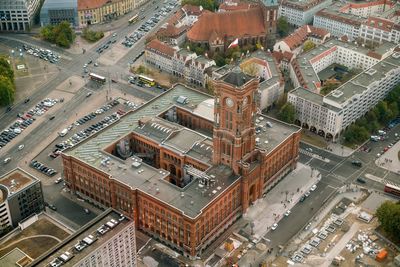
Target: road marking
[(308, 153), (374, 178)]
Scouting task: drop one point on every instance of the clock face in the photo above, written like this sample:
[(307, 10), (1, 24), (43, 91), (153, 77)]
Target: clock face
[(229, 102)]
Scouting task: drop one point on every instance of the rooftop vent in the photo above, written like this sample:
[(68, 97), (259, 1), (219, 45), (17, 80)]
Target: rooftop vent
[(337, 93), (182, 100), (371, 72), (136, 164)]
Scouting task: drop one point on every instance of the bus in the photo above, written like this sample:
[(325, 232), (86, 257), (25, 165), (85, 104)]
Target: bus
[(97, 78), (392, 190), (146, 80), (134, 19)]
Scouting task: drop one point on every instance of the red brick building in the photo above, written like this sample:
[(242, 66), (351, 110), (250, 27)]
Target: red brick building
[(186, 165), (250, 24)]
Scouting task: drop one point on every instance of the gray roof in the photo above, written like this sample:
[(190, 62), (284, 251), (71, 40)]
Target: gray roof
[(191, 199), (360, 83), (88, 229), (306, 69), (58, 4), (236, 77)]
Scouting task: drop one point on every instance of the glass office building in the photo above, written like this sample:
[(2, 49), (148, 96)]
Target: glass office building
[(55, 11)]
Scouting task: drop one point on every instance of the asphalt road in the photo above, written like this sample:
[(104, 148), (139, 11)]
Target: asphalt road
[(301, 213)]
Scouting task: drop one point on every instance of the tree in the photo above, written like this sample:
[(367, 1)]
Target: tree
[(92, 36), (308, 45), (5, 69), (211, 5), (61, 34), (356, 134), (250, 69), (287, 113), (389, 216), (210, 87), (281, 101), (282, 27), (7, 91), (219, 59)]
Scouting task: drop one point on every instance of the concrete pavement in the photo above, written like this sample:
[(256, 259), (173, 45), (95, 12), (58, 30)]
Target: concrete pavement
[(390, 160)]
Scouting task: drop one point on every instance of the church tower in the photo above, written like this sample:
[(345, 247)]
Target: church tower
[(234, 118), (270, 14)]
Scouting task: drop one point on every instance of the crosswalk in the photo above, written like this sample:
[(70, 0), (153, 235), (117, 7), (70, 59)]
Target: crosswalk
[(315, 156)]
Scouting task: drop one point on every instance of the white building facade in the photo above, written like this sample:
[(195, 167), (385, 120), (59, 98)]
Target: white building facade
[(120, 250), (331, 114), (17, 15), (301, 13)]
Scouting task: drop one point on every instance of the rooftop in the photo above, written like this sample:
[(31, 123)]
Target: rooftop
[(304, 60), (359, 83), (301, 4), (335, 12), (236, 77), (111, 221), (239, 23), (60, 4), (16, 180), (271, 132), (160, 47), (138, 175)]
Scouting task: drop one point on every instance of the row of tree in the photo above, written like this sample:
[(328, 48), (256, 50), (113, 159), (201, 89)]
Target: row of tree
[(61, 34), (389, 216), (7, 85), (375, 119), (211, 5)]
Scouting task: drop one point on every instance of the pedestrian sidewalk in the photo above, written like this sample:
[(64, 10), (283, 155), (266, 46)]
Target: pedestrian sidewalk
[(339, 149), (390, 160), (280, 199)]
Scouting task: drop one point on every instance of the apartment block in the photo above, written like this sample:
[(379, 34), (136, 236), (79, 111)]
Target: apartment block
[(375, 21), (107, 240), (20, 196), (329, 115), (299, 13), (181, 63)]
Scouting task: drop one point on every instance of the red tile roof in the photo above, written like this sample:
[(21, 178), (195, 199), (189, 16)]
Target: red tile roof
[(192, 10), (157, 46), (380, 23), (230, 24), (300, 35), (93, 4), (235, 5)]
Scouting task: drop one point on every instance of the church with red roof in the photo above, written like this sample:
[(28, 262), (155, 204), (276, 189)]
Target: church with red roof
[(250, 24)]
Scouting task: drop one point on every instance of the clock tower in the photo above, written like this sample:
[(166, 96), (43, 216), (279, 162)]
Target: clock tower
[(234, 117)]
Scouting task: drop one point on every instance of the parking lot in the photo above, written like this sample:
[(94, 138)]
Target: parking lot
[(147, 26), (24, 120), (78, 131)]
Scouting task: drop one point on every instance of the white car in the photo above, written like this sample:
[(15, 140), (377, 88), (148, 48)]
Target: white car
[(7, 160), (307, 193), (274, 226), (313, 187), (287, 213), (20, 147)]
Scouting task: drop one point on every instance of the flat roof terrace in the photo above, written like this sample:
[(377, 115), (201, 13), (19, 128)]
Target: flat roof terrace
[(273, 132), (16, 180), (68, 245)]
